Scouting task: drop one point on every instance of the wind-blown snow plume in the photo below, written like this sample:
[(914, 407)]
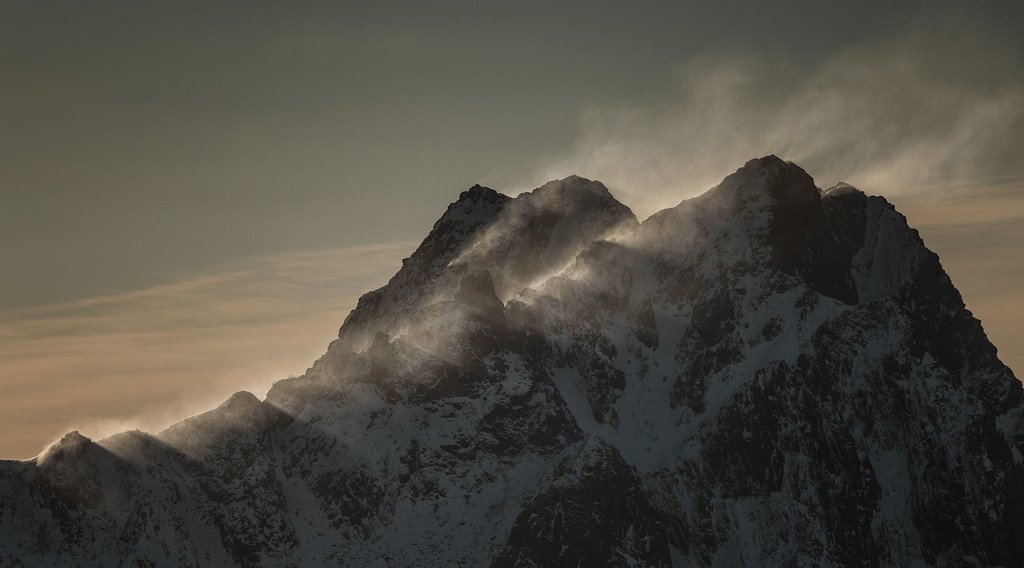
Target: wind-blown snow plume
[(900, 114)]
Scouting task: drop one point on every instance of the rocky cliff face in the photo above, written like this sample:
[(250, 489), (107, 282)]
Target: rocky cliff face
[(767, 374)]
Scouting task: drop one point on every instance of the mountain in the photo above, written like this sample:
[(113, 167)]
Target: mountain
[(766, 374)]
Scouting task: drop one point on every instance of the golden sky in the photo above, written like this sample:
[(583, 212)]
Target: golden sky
[(148, 358)]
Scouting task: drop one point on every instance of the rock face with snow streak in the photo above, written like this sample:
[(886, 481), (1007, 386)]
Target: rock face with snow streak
[(767, 374)]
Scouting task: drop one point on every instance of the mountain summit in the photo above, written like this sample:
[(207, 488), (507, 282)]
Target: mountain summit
[(765, 375)]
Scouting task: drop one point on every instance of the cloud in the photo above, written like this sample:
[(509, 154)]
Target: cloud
[(937, 105), (148, 358)]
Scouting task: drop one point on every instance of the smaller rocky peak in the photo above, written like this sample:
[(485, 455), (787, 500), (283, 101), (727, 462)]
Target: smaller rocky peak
[(134, 437), (73, 438), (71, 447), (243, 407), (240, 408), (474, 205), (73, 441), (771, 162), (794, 202), (239, 420), (573, 184), (574, 212), (572, 193), (241, 401), (770, 165), (845, 209), (135, 445), (480, 193), (810, 234), (789, 185), (842, 188), (127, 437), (845, 196), (763, 189)]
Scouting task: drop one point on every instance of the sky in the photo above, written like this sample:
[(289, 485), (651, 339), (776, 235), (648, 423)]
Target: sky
[(193, 195)]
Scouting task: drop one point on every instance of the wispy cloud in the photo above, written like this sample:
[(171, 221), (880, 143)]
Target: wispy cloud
[(925, 109), (147, 358)]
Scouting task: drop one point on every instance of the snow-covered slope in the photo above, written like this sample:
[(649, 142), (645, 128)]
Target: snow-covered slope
[(767, 374)]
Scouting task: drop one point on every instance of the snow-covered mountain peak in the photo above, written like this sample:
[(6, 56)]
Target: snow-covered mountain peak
[(764, 375), (842, 188), (477, 204), (515, 240), (572, 191), (71, 444), (72, 438), (791, 191), (241, 401)]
